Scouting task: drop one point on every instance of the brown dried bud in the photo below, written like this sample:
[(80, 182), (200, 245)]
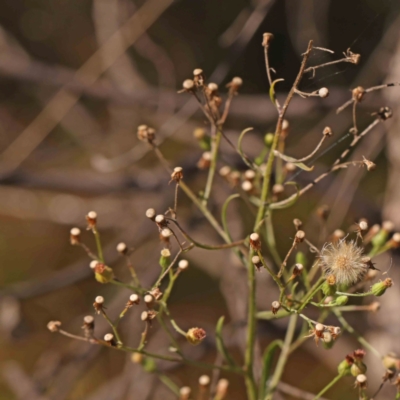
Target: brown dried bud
[(354, 58), (91, 219), (150, 301), (204, 382), (212, 87), (146, 134), (255, 242), (297, 223), (275, 306), (369, 164), (188, 85), (122, 248), (323, 212), (285, 128), (98, 304), (375, 306), (75, 236), (257, 262), (290, 167), (247, 186), (109, 339), (249, 175), (361, 381), (337, 235), (222, 389), (225, 171), (195, 336), (156, 293), (54, 326), (184, 393), (363, 225), (299, 237), (205, 160), (298, 269), (395, 240), (331, 280), (88, 326), (133, 299), (358, 93), (136, 357), (148, 316), (199, 77), (327, 131), (161, 221), (267, 39), (385, 113), (235, 83), (177, 174)]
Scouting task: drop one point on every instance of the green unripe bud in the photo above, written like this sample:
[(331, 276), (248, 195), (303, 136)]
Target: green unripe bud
[(358, 368), (269, 139), (327, 289), (203, 139), (391, 361), (165, 259), (379, 288), (345, 366), (149, 364), (380, 239), (341, 300)]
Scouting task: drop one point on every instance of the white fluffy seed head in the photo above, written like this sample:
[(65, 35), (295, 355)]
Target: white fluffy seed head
[(344, 261), (99, 300), (183, 264)]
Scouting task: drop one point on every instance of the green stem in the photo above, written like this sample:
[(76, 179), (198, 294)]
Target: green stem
[(280, 366), (317, 286), (216, 140), (113, 327), (98, 244), (328, 386)]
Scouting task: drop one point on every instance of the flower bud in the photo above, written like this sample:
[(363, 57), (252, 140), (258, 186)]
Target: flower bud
[(183, 265), (269, 139), (275, 307), (361, 381), (184, 393), (177, 174), (91, 219), (358, 93), (358, 368), (257, 262), (345, 366), (151, 213), (255, 242), (165, 259), (205, 160), (323, 92), (298, 269), (195, 336), (267, 39), (327, 131), (133, 299), (88, 326), (122, 248), (75, 236), (98, 304), (136, 357), (54, 326), (329, 286), (327, 340), (188, 85), (149, 300), (247, 186), (341, 300), (391, 361), (109, 339), (379, 288), (299, 237), (222, 389)]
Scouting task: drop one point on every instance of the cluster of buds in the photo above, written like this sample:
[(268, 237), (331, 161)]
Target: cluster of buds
[(146, 134), (358, 367), (148, 316), (195, 336), (326, 334)]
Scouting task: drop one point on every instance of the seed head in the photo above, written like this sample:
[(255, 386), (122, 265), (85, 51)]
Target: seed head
[(344, 261), (195, 336), (75, 236)]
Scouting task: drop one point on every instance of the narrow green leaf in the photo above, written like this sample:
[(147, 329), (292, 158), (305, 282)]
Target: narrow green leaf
[(268, 359), (276, 206), (293, 161), (239, 146), (223, 213), (220, 343), (272, 91)]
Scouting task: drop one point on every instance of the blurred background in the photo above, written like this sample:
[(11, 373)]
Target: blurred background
[(71, 99)]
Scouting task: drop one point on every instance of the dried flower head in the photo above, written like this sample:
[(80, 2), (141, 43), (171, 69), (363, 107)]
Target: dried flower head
[(344, 261), (195, 335)]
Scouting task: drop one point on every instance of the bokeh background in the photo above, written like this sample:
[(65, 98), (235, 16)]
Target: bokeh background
[(70, 102)]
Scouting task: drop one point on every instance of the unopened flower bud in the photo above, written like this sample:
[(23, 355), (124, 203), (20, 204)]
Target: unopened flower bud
[(195, 336), (98, 304), (341, 300), (267, 39), (183, 265), (188, 85), (290, 167), (177, 174), (327, 340), (148, 316), (225, 171), (255, 242), (327, 131), (54, 326), (369, 164), (249, 175), (109, 339), (212, 87), (345, 366), (133, 299), (361, 381), (379, 288), (269, 139), (297, 223), (205, 160), (165, 258), (358, 93), (91, 219), (247, 186), (257, 262), (136, 357), (149, 300), (329, 286), (275, 307), (166, 233), (204, 382), (278, 189), (299, 237), (184, 393), (298, 269), (75, 236), (122, 248), (88, 326), (222, 389), (323, 92), (151, 213)]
